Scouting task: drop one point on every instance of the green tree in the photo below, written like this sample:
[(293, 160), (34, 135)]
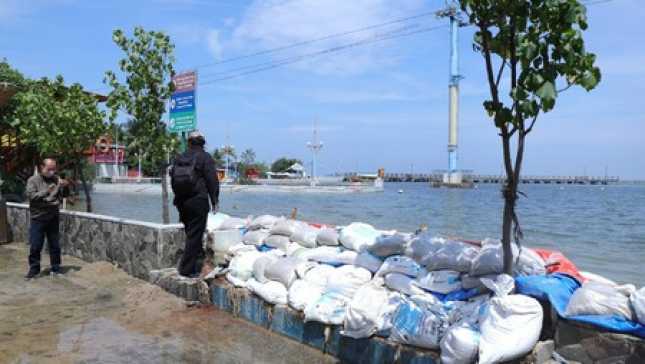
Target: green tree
[(60, 121), (218, 157), (539, 44), (247, 157), (147, 71), (282, 164)]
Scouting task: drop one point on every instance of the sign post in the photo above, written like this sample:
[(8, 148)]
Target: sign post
[(183, 115)]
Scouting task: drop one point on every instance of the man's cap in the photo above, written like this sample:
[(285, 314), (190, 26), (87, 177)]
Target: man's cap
[(196, 135)]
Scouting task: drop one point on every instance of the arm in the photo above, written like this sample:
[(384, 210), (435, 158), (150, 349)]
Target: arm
[(212, 183), (33, 193)]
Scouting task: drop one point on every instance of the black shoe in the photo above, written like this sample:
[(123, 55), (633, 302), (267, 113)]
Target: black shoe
[(31, 274), (56, 270)]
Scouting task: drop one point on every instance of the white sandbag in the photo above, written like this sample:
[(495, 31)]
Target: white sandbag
[(240, 248), (235, 281), (510, 328), (597, 278), (272, 292), (278, 241), (241, 265), (369, 311), (460, 345), (401, 283), (223, 240), (303, 294), (329, 309), (422, 246), (330, 255), (599, 299), (416, 326), (284, 227), (233, 223), (440, 281), (263, 222), (283, 270), (490, 259), (452, 255), (319, 275), (255, 237), (399, 264), (346, 280), (358, 236), (327, 236), (368, 261), (637, 299), (214, 221), (305, 235), (501, 285), (387, 245), (260, 265), (529, 263), (468, 281)]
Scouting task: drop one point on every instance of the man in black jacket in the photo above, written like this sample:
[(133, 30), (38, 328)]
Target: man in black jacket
[(194, 206)]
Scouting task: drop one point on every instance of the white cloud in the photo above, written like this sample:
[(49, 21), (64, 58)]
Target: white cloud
[(273, 23), (214, 44)]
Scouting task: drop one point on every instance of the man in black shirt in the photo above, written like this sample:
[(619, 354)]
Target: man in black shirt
[(195, 168)]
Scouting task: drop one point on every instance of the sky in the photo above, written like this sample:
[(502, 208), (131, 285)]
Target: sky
[(381, 104)]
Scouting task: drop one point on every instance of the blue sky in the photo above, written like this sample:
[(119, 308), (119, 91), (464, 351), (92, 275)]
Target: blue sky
[(378, 105)]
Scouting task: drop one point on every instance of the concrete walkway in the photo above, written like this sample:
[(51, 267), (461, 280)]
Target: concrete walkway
[(97, 313)]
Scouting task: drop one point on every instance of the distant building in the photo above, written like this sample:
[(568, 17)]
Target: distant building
[(296, 171)]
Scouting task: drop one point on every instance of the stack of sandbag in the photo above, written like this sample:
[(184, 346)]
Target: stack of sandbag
[(490, 260), (327, 237), (388, 245), (358, 236), (274, 275), (309, 286), (214, 221), (595, 298), (305, 235), (418, 323), (233, 223), (259, 230), (370, 311), (637, 299)]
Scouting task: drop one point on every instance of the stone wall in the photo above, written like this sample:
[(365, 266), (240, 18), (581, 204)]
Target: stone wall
[(137, 247)]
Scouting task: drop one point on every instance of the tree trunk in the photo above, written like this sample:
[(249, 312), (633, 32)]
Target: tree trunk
[(164, 195), (507, 226), (86, 188)]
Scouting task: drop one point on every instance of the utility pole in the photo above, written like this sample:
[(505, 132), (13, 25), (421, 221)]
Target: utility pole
[(452, 12), (315, 147)]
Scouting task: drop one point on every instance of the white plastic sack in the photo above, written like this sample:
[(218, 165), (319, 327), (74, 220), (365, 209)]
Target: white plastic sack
[(597, 278), (416, 326), (241, 266), (235, 281), (599, 299), (260, 265), (263, 222), (215, 221), (510, 328), (272, 292), (468, 281), (502, 285), (319, 275), (529, 263), (369, 311), (223, 240), (255, 237), (440, 281), (283, 270), (327, 236), (387, 245), (330, 255), (460, 345), (490, 259), (358, 236), (637, 299), (401, 283), (305, 235), (452, 255), (233, 223), (422, 246), (399, 264), (303, 294), (329, 309), (368, 261), (284, 227), (346, 280), (277, 241)]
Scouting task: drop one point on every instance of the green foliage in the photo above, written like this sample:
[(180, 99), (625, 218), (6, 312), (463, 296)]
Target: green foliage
[(282, 164), (247, 157), (218, 157), (14, 79)]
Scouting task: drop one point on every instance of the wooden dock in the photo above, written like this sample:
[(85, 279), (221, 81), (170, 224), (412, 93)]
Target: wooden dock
[(498, 179)]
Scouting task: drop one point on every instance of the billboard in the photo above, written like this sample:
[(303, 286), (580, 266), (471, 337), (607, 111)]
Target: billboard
[(183, 115)]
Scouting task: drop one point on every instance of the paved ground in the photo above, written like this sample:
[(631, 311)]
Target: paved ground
[(97, 313)]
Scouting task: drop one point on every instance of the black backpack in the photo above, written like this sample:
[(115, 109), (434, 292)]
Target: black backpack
[(184, 176)]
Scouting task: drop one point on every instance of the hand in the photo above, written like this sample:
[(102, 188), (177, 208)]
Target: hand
[(215, 208), (51, 188)]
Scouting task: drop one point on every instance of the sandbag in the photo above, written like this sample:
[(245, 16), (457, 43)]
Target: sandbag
[(588, 276), (277, 241), (327, 236), (329, 309), (305, 235), (490, 259), (368, 261), (510, 328), (416, 326), (319, 275), (283, 270), (422, 246), (441, 281), (401, 283), (387, 245), (223, 240), (399, 264), (599, 299), (330, 255), (460, 345), (303, 293), (284, 227), (214, 221), (263, 222), (346, 280), (235, 281), (272, 292), (529, 263), (260, 265), (370, 311), (469, 282), (241, 266), (452, 255), (637, 299), (233, 223), (255, 237), (358, 236)]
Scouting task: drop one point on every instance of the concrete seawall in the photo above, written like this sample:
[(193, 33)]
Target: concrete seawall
[(137, 247)]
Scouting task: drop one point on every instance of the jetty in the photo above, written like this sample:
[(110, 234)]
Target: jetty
[(499, 179)]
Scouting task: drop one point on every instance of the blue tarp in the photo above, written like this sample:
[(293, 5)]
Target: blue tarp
[(460, 295), (558, 289)]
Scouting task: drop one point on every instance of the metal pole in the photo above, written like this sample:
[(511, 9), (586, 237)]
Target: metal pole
[(454, 92)]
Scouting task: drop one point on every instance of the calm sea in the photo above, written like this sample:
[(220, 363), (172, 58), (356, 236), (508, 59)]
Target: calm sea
[(601, 228)]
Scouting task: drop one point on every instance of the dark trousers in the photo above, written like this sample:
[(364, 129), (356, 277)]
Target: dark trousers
[(193, 213), (38, 230)]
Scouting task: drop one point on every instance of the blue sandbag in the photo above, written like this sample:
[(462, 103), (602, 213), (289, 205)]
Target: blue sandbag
[(459, 295), (558, 289)]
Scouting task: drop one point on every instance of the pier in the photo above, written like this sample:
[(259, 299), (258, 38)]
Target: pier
[(498, 179)]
